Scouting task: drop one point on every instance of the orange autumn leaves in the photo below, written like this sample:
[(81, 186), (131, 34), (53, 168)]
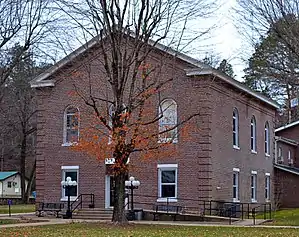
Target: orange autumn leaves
[(130, 132)]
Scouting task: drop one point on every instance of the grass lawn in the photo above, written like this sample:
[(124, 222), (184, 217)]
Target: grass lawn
[(17, 208), (104, 230), (286, 217), (8, 221)]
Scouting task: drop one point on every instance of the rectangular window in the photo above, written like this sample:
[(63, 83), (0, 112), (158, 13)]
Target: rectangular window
[(73, 172), (253, 186), (235, 129), (253, 135), (290, 160), (236, 185), (9, 184), (267, 187), (280, 157), (267, 140), (167, 181)]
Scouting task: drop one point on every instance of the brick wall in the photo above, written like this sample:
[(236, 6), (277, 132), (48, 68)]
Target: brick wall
[(225, 157), (204, 162)]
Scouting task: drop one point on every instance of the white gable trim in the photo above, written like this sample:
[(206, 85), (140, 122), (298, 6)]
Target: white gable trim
[(233, 82), (35, 82)]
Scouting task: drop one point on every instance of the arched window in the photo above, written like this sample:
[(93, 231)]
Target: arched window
[(253, 134), (267, 139), (111, 111), (71, 125), (168, 120), (235, 128)]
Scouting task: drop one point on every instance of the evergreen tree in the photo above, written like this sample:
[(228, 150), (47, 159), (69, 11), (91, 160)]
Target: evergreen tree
[(273, 70), (226, 68)]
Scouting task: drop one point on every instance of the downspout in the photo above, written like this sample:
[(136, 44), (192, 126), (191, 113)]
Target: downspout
[(2, 189), (275, 150)]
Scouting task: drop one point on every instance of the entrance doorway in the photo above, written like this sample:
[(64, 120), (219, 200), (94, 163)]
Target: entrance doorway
[(109, 192)]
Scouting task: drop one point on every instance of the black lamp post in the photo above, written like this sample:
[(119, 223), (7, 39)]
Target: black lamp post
[(67, 186), (132, 184)]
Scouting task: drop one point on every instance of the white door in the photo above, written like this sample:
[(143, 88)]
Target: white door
[(109, 191)]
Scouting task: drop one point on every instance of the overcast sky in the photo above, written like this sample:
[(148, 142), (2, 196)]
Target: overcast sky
[(227, 41)]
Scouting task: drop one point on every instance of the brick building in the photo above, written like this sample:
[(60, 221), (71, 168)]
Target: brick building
[(286, 166), (229, 159)]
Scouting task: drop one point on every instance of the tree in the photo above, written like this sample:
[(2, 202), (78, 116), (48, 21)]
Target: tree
[(211, 60), (18, 117), (259, 16), (226, 68), (223, 66), (26, 23), (127, 33), (272, 70)]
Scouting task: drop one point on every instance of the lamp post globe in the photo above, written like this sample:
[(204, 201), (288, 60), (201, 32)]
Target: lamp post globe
[(132, 184), (67, 185)]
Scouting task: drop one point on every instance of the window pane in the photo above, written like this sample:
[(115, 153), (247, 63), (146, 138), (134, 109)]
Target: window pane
[(74, 177), (168, 176), (168, 190), (72, 174), (72, 190), (234, 139), (234, 179), (72, 135), (234, 192)]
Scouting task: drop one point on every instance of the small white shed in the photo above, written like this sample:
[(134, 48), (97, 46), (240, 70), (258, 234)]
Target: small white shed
[(10, 184)]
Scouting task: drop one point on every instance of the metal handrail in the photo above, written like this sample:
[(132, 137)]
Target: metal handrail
[(80, 199), (207, 207), (253, 211)]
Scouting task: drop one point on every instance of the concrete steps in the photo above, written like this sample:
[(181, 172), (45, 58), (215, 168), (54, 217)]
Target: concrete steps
[(93, 214)]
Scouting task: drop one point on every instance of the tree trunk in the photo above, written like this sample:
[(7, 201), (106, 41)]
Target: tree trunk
[(119, 214), (23, 167), (30, 182)]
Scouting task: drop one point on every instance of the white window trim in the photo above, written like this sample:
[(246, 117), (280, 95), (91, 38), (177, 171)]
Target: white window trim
[(66, 143), (165, 167), (168, 139), (69, 168), (236, 119), (236, 147), (165, 200), (72, 167), (237, 198), (253, 186), (253, 136)]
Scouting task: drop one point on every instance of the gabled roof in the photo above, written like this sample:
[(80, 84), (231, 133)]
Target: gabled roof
[(5, 175), (201, 69), (40, 80), (286, 168), (233, 82), (287, 126)]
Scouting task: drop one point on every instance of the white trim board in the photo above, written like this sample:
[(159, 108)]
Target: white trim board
[(167, 166), (72, 167), (287, 126)]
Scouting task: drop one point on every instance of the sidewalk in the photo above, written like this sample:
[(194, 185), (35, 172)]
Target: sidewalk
[(58, 221)]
